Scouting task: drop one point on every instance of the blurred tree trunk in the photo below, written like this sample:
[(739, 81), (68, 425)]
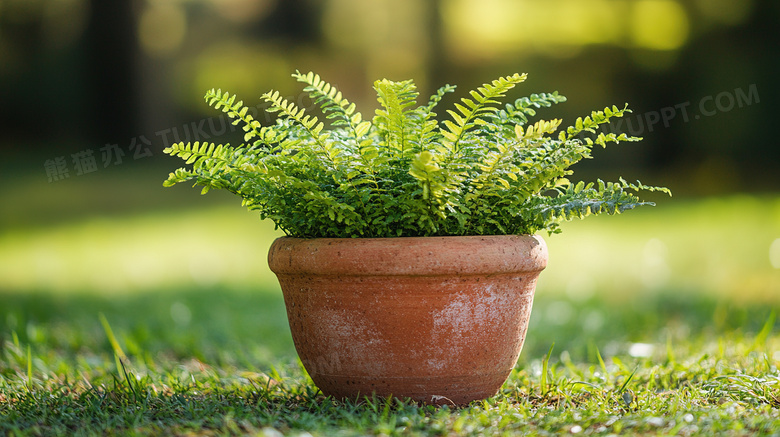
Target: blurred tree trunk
[(437, 61), (111, 45), (297, 21)]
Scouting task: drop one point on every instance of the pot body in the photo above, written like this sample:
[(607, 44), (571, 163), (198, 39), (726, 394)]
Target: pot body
[(435, 319)]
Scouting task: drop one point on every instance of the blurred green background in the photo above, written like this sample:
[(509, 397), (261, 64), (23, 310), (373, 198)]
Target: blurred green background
[(91, 91)]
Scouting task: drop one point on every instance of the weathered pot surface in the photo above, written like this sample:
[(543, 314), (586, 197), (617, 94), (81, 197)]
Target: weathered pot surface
[(435, 319)]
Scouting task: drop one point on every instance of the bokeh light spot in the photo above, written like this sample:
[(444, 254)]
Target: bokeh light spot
[(655, 270), (581, 287), (207, 269), (485, 28), (774, 253), (727, 12), (244, 11), (559, 312), (641, 350), (389, 34), (254, 69), (162, 28), (181, 313), (659, 24)]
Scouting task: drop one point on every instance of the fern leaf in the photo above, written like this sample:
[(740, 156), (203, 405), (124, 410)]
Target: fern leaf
[(596, 118), (334, 105), (394, 120), (437, 96), (235, 110), (582, 200), (310, 123), (484, 99), (485, 170), (179, 175)]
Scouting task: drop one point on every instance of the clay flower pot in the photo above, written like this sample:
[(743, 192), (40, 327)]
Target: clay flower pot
[(434, 319)]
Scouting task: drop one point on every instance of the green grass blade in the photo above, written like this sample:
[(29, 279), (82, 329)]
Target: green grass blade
[(29, 368), (601, 362), (628, 380), (763, 335), (112, 338), (545, 366)]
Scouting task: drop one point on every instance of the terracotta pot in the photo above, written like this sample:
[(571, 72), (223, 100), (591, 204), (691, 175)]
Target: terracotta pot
[(435, 319)]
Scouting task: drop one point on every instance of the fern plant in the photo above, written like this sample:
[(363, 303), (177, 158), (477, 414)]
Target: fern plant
[(485, 170)]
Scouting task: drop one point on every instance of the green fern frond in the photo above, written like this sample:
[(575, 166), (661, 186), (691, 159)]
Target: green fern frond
[(337, 108), (486, 170), (499, 171), (591, 123), (394, 119), (334, 105), (177, 176), (581, 200), (491, 176), (312, 125), (425, 169), (482, 102), (536, 131), (558, 155), (226, 102), (425, 133), (602, 139), (205, 155), (211, 164), (518, 113), (437, 96), (641, 187), (543, 166)]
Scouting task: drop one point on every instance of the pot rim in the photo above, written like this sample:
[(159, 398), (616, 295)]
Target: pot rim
[(409, 256)]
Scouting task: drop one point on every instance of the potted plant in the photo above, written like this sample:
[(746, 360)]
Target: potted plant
[(411, 261)]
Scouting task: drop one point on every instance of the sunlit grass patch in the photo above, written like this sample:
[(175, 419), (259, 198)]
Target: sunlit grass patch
[(221, 245), (721, 246)]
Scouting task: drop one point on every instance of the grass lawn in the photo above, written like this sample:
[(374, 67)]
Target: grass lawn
[(659, 322)]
